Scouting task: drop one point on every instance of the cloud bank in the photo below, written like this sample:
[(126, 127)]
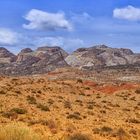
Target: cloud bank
[(8, 37), (69, 44), (127, 13), (41, 20)]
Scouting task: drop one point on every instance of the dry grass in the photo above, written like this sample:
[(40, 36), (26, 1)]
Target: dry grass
[(17, 131), (48, 106)]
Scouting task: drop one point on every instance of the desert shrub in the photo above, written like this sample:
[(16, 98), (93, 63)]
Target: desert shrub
[(67, 104), (106, 129), (39, 91), (90, 113), (70, 128), (13, 113), (2, 92), (9, 115), (82, 94), (17, 132), (77, 113), (44, 122), (33, 122), (18, 92), (121, 134), (14, 79), (87, 88), (90, 106), (133, 131), (96, 130), (19, 110), (77, 136), (75, 116), (98, 97), (50, 101), (138, 104), (103, 101), (40, 80), (125, 98), (51, 124), (84, 117), (133, 99), (33, 91), (31, 100), (73, 92), (78, 101), (79, 81), (115, 105), (133, 121), (103, 111), (126, 109), (137, 91), (60, 97), (43, 107), (91, 102)]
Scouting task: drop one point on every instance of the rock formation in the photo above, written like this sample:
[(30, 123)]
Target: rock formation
[(102, 55), (45, 59)]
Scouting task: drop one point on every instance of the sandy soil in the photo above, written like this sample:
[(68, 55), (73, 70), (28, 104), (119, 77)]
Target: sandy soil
[(55, 105)]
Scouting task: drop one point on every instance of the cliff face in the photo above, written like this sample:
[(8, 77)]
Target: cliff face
[(45, 59)]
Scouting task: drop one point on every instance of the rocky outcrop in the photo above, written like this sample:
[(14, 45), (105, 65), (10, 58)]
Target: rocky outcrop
[(42, 60), (45, 59), (52, 51), (101, 55), (26, 56), (6, 56)]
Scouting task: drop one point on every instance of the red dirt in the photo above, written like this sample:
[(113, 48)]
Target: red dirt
[(90, 83), (54, 73), (111, 88)]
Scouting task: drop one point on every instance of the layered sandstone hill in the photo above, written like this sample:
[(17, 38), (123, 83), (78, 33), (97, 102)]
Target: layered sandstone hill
[(6, 56), (42, 60), (102, 56), (46, 59)]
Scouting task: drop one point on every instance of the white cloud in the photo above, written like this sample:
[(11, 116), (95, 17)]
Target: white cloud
[(68, 44), (41, 20), (8, 37), (127, 13), (50, 41)]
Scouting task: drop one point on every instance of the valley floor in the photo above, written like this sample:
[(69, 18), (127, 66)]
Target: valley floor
[(78, 108)]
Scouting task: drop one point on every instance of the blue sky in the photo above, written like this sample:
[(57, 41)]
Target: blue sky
[(69, 23)]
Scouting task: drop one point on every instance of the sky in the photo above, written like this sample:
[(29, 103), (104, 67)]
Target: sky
[(70, 24)]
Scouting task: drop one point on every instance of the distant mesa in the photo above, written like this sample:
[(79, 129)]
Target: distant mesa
[(52, 50), (48, 58), (5, 53), (26, 50), (6, 56), (102, 55)]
